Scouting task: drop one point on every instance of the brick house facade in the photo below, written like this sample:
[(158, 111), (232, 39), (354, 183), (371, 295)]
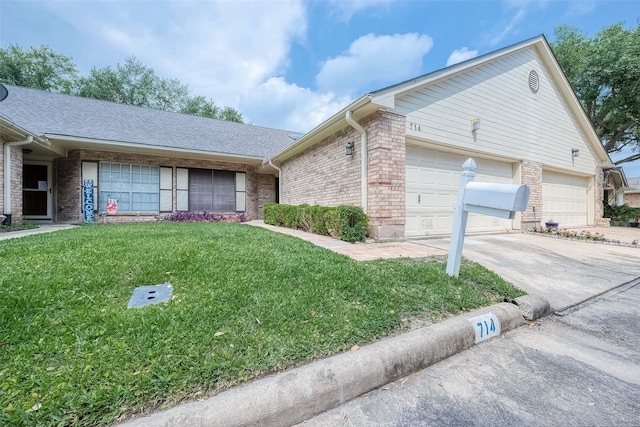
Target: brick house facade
[(419, 132), (407, 141)]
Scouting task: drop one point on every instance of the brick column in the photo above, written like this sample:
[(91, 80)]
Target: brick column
[(531, 174), (386, 174)]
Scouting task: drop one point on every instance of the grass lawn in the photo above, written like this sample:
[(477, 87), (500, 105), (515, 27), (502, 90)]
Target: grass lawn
[(246, 301)]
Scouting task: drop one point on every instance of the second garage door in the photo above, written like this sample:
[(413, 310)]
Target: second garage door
[(432, 179), (564, 199)]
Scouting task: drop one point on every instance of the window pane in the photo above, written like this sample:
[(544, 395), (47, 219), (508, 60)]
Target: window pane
[(224, 191), (136, 187), (200, 190)]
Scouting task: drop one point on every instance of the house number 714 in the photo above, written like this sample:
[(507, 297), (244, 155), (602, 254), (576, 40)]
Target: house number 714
[(413, 126), (485, 326)]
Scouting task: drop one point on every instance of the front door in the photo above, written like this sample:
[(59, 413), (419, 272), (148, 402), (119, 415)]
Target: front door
[(36, 190)]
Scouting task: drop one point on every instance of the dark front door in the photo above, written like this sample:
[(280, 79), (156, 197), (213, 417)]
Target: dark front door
[(36, 191)]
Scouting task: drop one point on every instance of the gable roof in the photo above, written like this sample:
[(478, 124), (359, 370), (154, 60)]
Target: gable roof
[(386, 97), (56, 116), (634, 185)]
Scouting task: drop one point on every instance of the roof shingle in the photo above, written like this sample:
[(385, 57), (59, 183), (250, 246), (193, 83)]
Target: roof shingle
[(42, 112)]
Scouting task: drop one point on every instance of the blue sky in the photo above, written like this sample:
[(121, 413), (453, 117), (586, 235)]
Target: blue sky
[(291, 64)]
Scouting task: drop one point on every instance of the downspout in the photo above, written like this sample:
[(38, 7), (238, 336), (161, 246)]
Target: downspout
[(7, 172), (279, 179), (363, 159)]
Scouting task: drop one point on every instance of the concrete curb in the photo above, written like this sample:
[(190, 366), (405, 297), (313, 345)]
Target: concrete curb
[(299, 394)]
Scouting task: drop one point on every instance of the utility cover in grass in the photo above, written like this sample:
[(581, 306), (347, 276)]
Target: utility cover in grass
[(145, 295)]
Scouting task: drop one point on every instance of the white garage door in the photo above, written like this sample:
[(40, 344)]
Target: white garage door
[(433, 178), (564, 199)]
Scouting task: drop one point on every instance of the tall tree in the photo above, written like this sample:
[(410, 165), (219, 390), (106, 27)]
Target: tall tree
[(39, 68), (199, 106), (604, 71), (133, 83)]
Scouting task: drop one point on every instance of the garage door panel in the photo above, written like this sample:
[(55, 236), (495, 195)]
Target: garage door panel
[(438, 179), (564, 198)]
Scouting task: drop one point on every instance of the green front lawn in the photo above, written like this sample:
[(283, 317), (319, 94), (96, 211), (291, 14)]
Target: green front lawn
[(246, 301)]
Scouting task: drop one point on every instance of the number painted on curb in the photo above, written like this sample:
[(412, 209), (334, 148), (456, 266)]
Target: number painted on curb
[(486, 326)]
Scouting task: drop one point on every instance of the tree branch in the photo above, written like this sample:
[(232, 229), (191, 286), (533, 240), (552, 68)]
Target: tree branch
[(631, 158)]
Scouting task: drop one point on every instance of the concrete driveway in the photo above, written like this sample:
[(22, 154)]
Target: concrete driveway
[(563, 271)]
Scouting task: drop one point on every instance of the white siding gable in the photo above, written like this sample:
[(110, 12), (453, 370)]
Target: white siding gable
[(516, 123)]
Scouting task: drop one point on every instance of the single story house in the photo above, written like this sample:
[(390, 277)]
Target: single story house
[(151, 162), (397, 152)]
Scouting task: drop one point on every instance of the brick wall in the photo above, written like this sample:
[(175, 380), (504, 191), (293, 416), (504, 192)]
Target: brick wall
[(266, 191), (386, 174), (69, 181), (632, 199), (531, 174), (16, 185), (325, 175), (598, 194)]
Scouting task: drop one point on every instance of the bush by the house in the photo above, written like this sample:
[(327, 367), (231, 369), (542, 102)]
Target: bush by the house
[(186, 216), (348, 223)]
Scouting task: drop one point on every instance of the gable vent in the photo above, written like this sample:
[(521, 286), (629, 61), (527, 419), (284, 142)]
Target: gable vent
[(534, 81)]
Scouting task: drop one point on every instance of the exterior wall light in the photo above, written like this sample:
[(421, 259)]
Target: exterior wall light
[(575, 152), (475, 125), (349, 148)]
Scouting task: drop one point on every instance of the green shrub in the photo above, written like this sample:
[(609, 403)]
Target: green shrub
[(306, 219), (621, 212), (333, 223), (348, 223), (291, 216), (317, 216), (270, 213), (354, 223)]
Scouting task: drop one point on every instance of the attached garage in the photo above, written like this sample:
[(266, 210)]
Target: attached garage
[(432, 180), (398, 151), (565, 199)]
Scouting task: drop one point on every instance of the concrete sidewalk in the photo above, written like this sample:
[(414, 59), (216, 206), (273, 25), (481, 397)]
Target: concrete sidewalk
[(45, 228)]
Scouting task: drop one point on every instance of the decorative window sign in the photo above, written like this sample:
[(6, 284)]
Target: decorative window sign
[(486, 326)]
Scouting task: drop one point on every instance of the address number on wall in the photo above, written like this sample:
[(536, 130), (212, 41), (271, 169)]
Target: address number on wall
[(486, 326)]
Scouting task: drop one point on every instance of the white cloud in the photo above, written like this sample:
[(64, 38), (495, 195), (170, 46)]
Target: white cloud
[(505, 29), (345, 9), (460, 55), (289, 106), (374, 60)]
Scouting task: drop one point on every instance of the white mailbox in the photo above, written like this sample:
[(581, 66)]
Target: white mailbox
[(501, 200)]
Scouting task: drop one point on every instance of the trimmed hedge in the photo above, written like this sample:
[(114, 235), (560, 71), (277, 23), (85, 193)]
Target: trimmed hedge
[(348, 223)]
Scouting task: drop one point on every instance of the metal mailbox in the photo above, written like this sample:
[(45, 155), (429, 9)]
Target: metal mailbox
[(501, 200)]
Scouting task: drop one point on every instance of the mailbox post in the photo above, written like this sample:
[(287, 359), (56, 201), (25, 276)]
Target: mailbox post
[(500, 200)]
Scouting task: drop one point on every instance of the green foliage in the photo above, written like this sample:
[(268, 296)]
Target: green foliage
[(317, 216), (200, 106), (39, 68), (131, 83), (621, 213), (291, 216), (333, 222), (306, 219), (348, 223), (245, 302), (354, 223), (604, 71)]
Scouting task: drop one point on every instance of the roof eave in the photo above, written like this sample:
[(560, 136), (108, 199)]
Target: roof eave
[(75, 142), (311, 137)]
